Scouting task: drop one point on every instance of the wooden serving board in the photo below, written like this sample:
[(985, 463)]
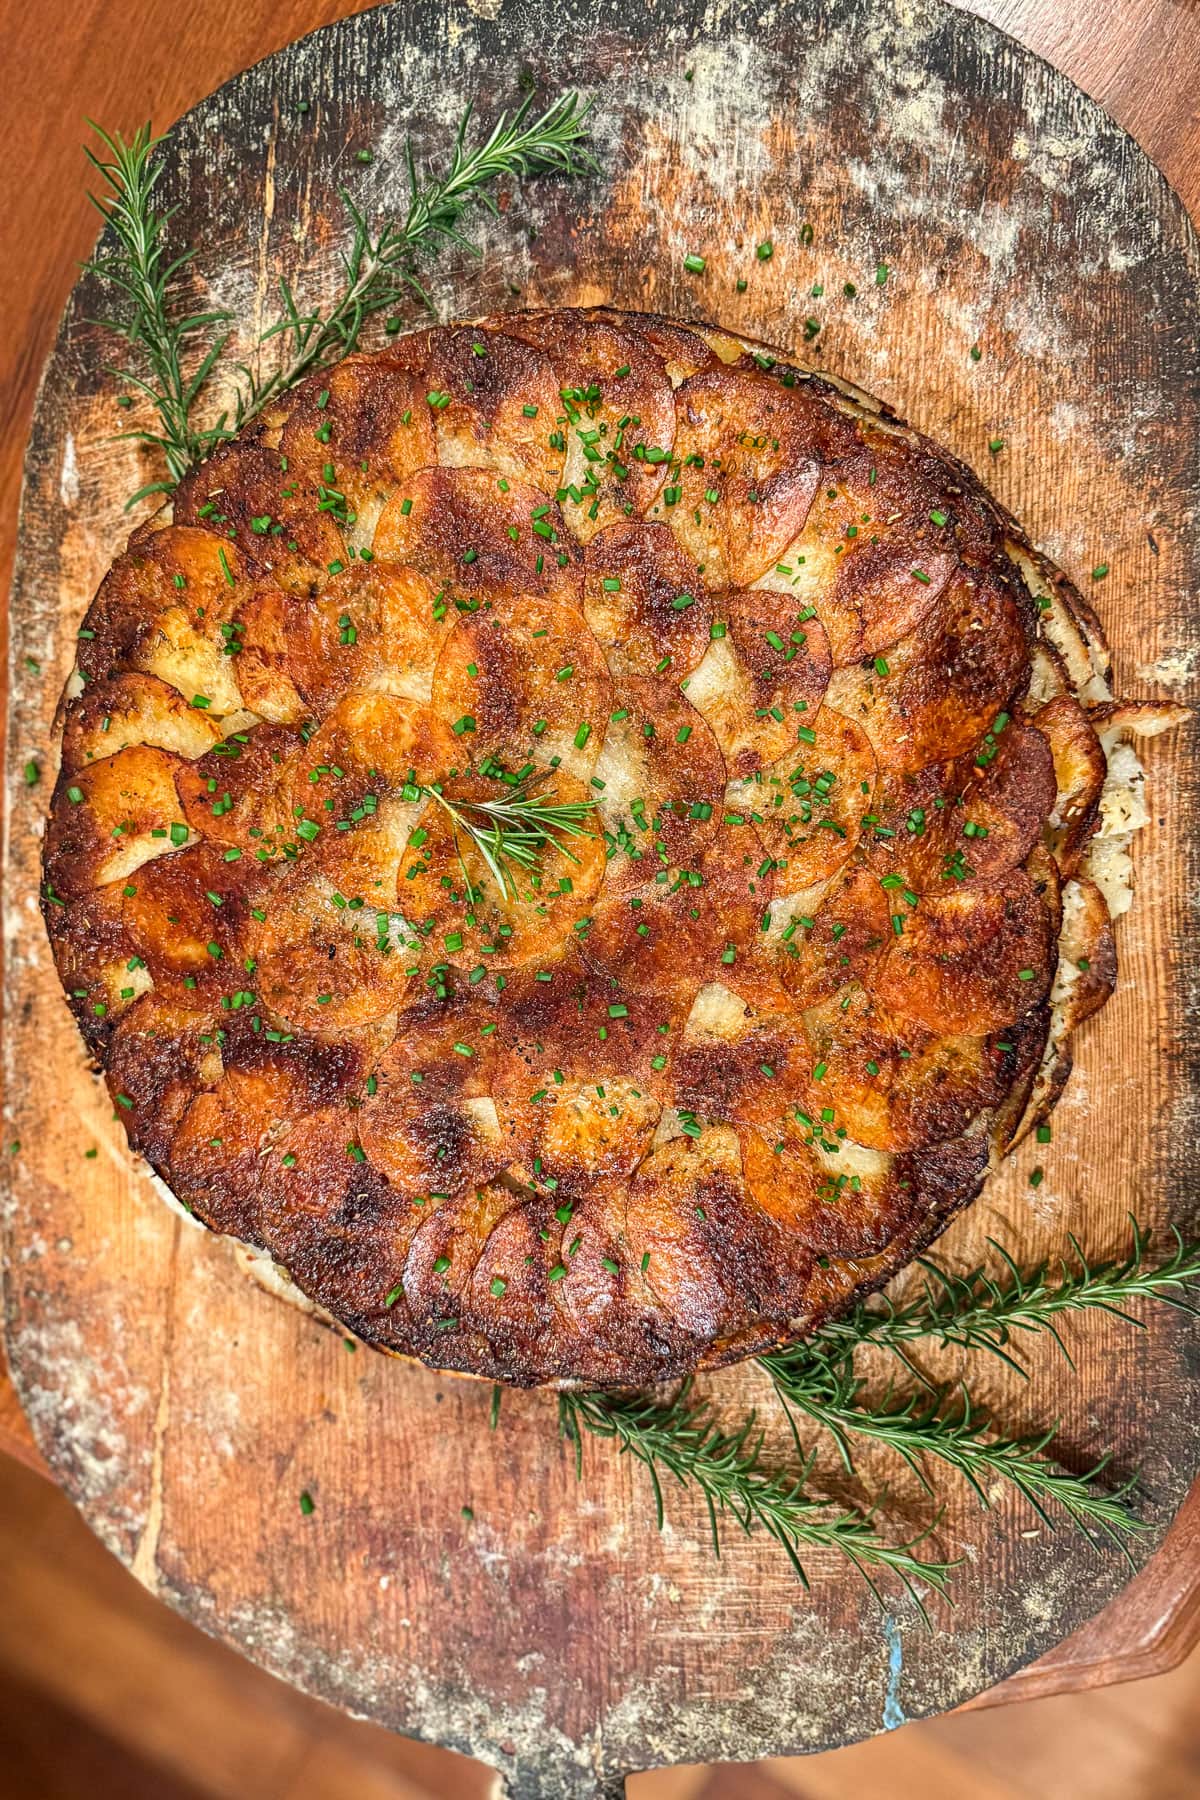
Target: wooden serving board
[(553, 1633)]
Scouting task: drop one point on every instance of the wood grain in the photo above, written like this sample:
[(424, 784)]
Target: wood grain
[(1060, 500), (107, 1695)]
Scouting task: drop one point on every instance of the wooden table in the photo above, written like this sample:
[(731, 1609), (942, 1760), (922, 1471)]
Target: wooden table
[(1141, 58)]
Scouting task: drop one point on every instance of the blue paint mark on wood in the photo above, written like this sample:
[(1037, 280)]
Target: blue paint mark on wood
[(893, 1713)]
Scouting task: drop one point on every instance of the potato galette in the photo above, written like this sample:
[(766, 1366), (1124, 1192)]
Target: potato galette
[(689, 1077)]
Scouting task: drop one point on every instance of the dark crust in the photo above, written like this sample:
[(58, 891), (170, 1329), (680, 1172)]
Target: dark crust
[(213, 900)]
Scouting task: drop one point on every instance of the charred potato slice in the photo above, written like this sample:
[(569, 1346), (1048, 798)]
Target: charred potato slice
[(645, 600), (616, 416), (744, 473), (480, 538)]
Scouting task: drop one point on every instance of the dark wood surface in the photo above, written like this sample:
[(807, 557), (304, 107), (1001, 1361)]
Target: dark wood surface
[(1149, 108)]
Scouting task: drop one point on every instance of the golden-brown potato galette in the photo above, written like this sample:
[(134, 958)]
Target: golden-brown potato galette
[(674, 1080)]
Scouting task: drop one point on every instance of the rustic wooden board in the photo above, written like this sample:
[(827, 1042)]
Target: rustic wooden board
[(554, 1634)]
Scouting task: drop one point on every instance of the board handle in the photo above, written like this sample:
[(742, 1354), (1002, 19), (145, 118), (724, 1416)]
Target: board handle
[(526, 1783)]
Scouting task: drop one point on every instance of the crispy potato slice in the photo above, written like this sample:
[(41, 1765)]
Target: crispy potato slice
[(970, 820), (663, 937), (530, 683), (893, 1085), (744, 472), (710, 1258), (161, 609), (1079, 768), (601, 1298), (271, 627), (808, 568), (662, 779), (371, 744), (738, 884), (618, 1330), (904, 832), (940, 687), (377, 626), (134, 709), (884, 590), (1000, 810), (276, 516), (808, 807), (743, 1061), (271, 1141), (428, 1121), (762, 680), (101, 973), (684, 350), (162, 1050), (1066, 624), (618, 404), (1087, 971), (1042, 871), (972, 960), (646, 601), (1117, 720), (853, 1202), (575, 1131), (496, 405), (354, 432), (509, 1294), (1085, 978), (824, 1207), (318, 966), (110, 819), (1049, 676), (738, 878), (194, 658), (871, 558), (359, 868), (239, 792), (840, 935), (566, 1022), (480, 538), (186, 914), (446, 1248), (353, 1244)]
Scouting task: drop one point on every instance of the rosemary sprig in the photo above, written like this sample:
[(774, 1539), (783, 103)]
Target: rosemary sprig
[(980, 1311), (949, 1428), (680, 1438), (138, 268), (513, 832), (816, 1380), (379, 268)]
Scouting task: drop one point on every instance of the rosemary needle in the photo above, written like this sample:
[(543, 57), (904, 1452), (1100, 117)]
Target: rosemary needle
[(380, 267), (136, 265)]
